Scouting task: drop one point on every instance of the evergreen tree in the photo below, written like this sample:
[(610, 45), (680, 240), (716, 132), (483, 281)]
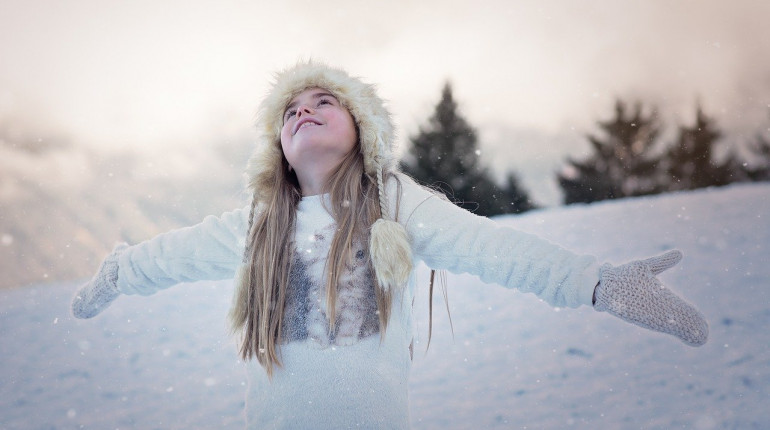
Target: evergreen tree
[(445, 155), (622, 164), (761, 150), (516, 198), (691, 161)]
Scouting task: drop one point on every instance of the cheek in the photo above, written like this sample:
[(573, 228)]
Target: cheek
[(285, 133), (350, 131), (286, 144)]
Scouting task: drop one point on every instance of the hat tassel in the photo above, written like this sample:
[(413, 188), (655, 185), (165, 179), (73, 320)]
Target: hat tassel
[(389, 247)]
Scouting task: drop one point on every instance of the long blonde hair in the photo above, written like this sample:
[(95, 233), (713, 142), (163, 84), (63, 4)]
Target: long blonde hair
[(258, 308)]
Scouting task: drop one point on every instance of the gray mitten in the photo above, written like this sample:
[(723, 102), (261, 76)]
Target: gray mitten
[(633, 293), (99, 292)]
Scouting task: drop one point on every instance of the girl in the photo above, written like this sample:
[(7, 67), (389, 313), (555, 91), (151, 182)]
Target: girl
[(323, 262)]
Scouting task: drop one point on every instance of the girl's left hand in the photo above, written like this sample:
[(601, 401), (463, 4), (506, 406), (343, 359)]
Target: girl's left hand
[(633, 293)]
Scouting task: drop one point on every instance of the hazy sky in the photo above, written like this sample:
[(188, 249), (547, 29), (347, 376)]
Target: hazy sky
[(161, 75)]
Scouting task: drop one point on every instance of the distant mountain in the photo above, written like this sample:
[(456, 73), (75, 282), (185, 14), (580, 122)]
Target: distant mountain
[(63, 207)]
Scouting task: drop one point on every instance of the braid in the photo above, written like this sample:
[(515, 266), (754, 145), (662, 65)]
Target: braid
[(381, 191), (247, 249)]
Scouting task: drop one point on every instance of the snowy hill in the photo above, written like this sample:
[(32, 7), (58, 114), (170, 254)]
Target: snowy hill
[(166, 362)]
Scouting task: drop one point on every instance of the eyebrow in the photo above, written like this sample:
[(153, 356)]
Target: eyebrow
[(318, 95)]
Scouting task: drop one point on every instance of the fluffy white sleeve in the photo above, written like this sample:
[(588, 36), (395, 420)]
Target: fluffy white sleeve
[(210, 250), (445, 236)]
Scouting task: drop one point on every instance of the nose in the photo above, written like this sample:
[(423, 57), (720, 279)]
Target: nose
[(304, 110)]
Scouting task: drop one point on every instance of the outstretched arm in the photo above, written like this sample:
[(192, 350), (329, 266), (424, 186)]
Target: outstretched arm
[(445, 236), (448, 237), (210, 250)]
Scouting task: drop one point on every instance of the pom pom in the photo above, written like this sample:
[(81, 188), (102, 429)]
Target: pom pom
[(391, 254)]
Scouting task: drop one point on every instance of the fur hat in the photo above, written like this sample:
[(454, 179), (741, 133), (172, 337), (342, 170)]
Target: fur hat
[(389, 244)]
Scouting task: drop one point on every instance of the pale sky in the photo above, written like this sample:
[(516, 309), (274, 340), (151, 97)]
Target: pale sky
[(161, 75)]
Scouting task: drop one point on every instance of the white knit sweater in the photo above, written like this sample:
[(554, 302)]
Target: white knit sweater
[(330, 379)]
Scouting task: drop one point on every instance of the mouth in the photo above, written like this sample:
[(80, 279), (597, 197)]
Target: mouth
[(305, 122)]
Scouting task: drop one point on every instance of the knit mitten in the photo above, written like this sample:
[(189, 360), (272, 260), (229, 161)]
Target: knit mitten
[(99, 292), (633, 293)]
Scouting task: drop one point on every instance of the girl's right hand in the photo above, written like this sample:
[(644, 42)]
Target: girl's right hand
[(97, 294)]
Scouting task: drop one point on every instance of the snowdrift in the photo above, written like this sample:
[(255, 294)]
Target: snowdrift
[(166, 361)]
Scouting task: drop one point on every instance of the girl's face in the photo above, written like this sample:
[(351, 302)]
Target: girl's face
[(318, 132)]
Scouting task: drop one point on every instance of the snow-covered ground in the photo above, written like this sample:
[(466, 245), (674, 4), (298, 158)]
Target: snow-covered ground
[(166, 361)]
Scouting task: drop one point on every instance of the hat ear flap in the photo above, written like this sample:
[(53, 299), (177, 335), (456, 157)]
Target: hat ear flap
[(261, 169)]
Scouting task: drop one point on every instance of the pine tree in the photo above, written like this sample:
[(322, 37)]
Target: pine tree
[(761, 150), (622, 164), (691, 160), (445, 155), (516, 198)]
